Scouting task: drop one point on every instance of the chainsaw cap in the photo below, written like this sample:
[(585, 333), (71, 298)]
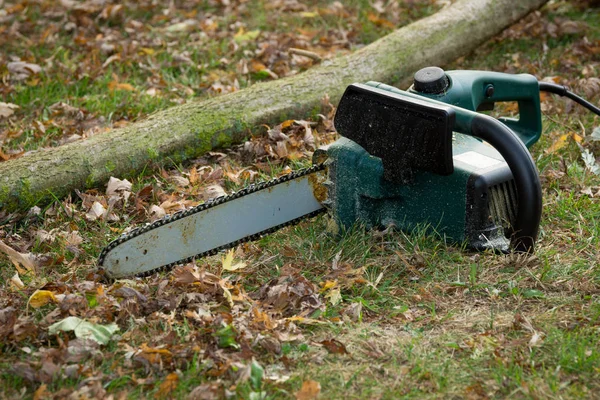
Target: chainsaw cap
[(432, 80)]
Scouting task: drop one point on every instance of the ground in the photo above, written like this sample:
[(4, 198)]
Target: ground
[(302, 313)]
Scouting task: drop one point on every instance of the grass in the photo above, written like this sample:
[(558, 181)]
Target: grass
[(418, 316)]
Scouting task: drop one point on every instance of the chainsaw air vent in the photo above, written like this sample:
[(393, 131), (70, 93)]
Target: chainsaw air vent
[(503, 204)]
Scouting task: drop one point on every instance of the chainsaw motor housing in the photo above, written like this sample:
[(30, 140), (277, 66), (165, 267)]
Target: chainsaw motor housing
[(411, 160)]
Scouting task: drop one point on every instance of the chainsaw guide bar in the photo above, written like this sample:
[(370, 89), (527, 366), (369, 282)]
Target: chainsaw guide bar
[(111, 263)]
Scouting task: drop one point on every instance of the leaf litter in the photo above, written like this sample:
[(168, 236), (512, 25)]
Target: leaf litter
[(211, 315)]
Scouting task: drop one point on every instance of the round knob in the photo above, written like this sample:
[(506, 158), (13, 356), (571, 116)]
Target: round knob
[(432, 80)]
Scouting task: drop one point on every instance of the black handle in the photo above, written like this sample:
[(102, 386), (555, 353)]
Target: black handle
[(527, 180)]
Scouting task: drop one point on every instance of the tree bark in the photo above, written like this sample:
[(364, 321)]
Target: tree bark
[(189, 130)]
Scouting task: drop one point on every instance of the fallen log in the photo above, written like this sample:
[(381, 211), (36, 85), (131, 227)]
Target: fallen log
[(189, 130)]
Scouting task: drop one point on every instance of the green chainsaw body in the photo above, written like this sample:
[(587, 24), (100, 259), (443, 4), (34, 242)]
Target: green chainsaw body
[(476, 202)]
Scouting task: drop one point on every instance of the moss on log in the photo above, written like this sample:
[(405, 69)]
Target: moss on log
[(189, 130)]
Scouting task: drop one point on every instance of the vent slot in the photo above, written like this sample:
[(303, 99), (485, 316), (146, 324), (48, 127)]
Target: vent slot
[(503, 204)]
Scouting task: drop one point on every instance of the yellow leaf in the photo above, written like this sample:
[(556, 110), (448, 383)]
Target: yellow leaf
[(327, 285), (558, 144), (307, 321), (226, 292), (40, 298), (287, 124), (120, 86), (562, 142), (309, 14), (147, 51), (242, 36), (228, 262), (334, 296)]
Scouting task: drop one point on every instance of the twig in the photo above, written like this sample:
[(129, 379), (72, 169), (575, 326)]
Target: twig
[(310, 54)]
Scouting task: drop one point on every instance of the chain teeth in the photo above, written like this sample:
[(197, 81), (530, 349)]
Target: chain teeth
[(209, 204)]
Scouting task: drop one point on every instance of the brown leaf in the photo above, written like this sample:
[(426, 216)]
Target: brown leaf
[(117, 187), (7, 109), (23, 262), (309, 391), (206, 391), (214, 191), (334, 346), (8, 318), (20, 70), (168, 386), (42, 393), (156, 212)]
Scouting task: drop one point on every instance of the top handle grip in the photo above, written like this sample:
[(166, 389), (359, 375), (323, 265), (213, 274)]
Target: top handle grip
[(474, 90)]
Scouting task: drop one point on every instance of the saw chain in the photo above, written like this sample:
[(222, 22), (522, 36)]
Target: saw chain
[(209, 204)]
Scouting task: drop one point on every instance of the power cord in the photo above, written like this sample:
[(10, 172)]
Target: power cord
[(563, 91)]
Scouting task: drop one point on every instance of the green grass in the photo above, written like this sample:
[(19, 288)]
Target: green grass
[(435, 320)]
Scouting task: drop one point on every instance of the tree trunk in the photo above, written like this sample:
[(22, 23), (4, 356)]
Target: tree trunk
[(189, 130)]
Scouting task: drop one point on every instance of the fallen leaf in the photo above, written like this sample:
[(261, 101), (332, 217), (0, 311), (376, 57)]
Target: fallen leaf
[(117, 186), (21, 70), (214, 191), (595, 134), (185, 26), (334, 296), (41, 393), (156, 212), (84, 329), (96, 211), (23, 262), (168, 386), (562, 142), (227, 262), (40, 298), (16, 281), (8, 318), (590, 161), (120, 86), (242, 36), (334, 346), (309, 391), (7, 109)]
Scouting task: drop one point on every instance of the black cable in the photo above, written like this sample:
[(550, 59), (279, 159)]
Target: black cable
[(563, 91)]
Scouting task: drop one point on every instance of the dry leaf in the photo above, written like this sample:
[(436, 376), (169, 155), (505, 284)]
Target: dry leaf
[(309, 391), (96, 211), (227, 262), (334, 346), (21, 70), (117, 186), (16, 281), (23, 262), (40, 298), (214, 191), (156, 212), (120, 86), (7, 109), (42, 393), (334, 296), (168, 386)]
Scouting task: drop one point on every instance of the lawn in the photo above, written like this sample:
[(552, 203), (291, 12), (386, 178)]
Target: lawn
[(304, 312)]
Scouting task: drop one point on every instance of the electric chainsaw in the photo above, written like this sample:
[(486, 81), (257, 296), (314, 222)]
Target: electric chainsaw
[(424, 157)]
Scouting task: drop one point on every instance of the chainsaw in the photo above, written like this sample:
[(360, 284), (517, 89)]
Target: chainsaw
[(421, 158)]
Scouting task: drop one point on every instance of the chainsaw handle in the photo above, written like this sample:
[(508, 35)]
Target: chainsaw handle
[(523, 169), (480, 90)]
